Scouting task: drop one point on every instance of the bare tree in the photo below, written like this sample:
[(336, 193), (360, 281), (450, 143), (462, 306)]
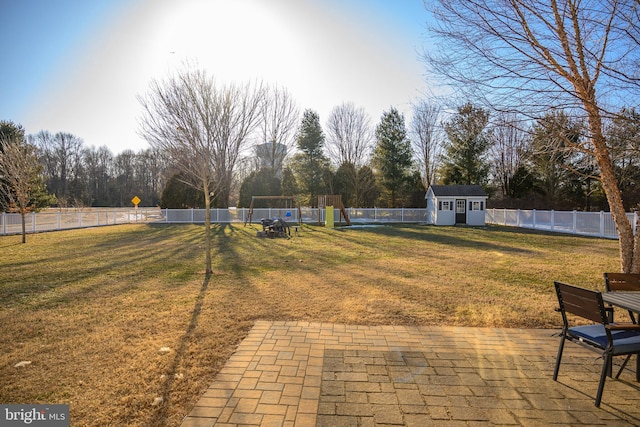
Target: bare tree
[(508, 150), (98, 165), (277, 124), (349, 140), (239, 106), (202, 127), (427, 139), (349, 135), (532, 56), (61, 155), (20, 178)]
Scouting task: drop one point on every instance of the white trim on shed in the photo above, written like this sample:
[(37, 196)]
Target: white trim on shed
[(456, 204)]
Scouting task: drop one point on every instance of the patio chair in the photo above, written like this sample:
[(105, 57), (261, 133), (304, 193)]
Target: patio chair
[(623, 282), (608, 339)]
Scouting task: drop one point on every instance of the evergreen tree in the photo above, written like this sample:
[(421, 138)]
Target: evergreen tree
[(310, 166), (368, 188), (464, 157), (553, 157), (289, 184), (263, 182), (392, 157), (179, 195), (344, 181), (623, 135), (10, 131)]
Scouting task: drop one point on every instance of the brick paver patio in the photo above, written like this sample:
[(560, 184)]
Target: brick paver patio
[(321, 374)]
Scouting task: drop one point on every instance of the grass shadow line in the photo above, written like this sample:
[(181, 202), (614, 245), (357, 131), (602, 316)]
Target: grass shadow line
[(160, 417)]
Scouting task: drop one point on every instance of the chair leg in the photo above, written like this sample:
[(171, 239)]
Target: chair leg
[(623, 365), (558, 357), (603, 377)]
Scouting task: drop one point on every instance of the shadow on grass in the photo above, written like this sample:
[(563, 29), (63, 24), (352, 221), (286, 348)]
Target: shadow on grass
[(162, 414), (121, 258), (450, 236), (10, 244)]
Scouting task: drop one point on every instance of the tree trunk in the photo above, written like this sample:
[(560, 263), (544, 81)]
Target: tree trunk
[(635, 264), (24, 227), (207, 226), (627, 242)]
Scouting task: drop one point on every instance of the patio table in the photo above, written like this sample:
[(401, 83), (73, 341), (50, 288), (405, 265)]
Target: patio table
[(628, 300)]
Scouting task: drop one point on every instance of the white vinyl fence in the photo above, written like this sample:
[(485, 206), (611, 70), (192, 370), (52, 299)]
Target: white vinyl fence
[(599, 224), (309, 215), (61, 219)]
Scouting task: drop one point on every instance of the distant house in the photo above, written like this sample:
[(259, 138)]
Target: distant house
[(456, 204)]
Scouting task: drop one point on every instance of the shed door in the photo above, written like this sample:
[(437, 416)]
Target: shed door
[(461, 211)]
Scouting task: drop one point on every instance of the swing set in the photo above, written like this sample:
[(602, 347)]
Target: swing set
[(289, 202)]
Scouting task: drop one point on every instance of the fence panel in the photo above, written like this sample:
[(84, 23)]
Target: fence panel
[(598, 224)]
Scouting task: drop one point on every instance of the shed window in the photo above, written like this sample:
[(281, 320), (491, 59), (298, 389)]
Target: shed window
[(445, 205), (476, 206)]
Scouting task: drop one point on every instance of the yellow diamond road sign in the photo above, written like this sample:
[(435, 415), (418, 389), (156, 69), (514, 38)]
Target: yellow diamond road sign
[(136, 200)]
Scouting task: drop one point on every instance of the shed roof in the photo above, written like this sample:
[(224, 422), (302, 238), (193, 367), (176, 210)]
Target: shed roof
[(458, 190)]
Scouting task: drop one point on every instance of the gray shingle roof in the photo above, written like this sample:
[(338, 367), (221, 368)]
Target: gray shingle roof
[(458, 190)]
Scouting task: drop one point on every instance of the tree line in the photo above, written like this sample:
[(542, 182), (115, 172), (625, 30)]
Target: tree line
[(79, 176), (528, 164)]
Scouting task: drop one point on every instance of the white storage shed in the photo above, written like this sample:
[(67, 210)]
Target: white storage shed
[(456, 204)]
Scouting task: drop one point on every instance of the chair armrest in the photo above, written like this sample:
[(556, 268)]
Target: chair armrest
[(609, 311), (623, 327)]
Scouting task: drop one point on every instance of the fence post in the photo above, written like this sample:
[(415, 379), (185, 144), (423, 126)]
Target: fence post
[(601, 223), (533, 216), (4, 223), (553, 219), (575, 222), (33, 222)]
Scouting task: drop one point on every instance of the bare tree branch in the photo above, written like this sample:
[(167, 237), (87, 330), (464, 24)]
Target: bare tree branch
[(428, 137), (19, 168), (278, 124), (349, 135)]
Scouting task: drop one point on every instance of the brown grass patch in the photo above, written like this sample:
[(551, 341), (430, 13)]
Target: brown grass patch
[(92, 308)]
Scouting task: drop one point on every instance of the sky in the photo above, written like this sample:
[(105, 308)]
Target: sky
[(77, 66)]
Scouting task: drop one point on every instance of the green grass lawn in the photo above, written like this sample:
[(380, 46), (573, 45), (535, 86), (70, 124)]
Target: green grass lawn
[(91, 309)]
